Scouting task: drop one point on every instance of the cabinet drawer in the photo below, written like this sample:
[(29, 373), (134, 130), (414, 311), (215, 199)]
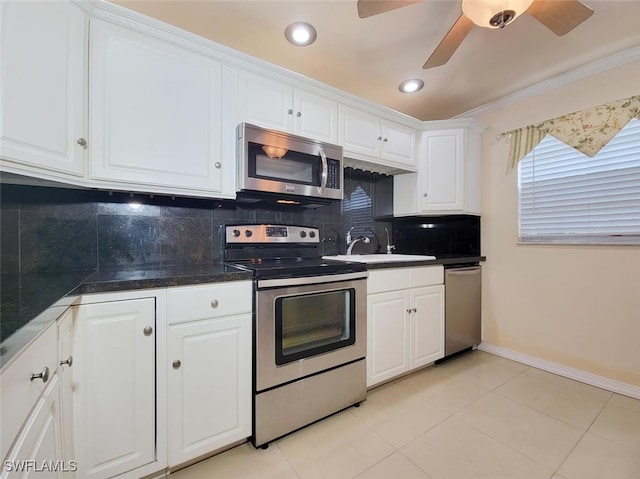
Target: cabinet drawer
[(19, 393), (191, 303), (427, 276)]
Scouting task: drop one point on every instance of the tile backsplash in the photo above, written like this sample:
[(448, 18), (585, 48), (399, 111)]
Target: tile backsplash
[(58, 229)]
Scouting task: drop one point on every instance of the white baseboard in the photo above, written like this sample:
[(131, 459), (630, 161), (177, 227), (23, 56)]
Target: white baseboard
[(561, 370)]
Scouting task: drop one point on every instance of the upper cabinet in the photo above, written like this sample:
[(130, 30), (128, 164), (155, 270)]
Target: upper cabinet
[(156, 115), (42, 89), (448, 179), (273, 104), (370, 137)]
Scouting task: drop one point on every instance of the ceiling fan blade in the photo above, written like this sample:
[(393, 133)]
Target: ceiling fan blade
[(368, 8), (560, 16), (449, 43)]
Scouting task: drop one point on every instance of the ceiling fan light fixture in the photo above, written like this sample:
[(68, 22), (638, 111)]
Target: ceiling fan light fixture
[(411, 86), (494, 13), (300, 34)]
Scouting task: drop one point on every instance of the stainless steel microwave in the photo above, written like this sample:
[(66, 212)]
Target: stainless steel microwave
[(274, 162)]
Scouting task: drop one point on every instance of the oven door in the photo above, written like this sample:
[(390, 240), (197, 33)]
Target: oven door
[(308, 325)]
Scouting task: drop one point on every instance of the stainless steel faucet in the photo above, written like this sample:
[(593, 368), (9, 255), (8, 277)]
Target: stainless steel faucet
[(390, 247), (352, 242)]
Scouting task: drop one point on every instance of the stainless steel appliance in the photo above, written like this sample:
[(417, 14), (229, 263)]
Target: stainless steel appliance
[(277, 163), (463, 287), (309, 327)]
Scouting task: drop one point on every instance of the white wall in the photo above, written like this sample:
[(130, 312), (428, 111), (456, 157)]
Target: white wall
[(578, 306)]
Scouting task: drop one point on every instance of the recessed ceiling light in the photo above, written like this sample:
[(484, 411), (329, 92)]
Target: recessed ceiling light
[(411, 86), (300, 34)]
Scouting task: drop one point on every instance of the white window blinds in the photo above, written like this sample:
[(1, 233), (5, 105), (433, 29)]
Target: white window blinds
[(567, 197)]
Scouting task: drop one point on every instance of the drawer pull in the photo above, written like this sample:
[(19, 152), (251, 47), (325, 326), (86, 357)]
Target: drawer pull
[(214, 303), (176, 364), (68, 361), (44, 375)]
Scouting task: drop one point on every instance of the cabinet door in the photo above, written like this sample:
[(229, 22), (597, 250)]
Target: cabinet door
[(387, 336), (65, 371), (315, 117), (265, 102), (114, 387), (360, 133), (427, 325), (209, 385), (37, 451), (398, 143), (442, 170), (155, 113), (42, 89)]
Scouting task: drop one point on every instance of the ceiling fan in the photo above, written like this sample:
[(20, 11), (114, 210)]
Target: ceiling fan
[(559, 16)]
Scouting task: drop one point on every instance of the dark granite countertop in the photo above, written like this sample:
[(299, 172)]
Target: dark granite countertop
[(30, 302), (445, 260)]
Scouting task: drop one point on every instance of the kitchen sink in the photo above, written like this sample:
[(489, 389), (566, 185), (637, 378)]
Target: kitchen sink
[(379, 258)]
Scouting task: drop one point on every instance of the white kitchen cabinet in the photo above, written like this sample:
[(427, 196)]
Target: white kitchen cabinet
[(366, 136), (209, 368), (448, 178), (20, 393), (42, 89), (114, 391), (273, 104), (405, 320), (156, 115), (37, 449), (64, 325)]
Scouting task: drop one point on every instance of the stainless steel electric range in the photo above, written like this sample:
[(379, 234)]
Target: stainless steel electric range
[(309, 327)]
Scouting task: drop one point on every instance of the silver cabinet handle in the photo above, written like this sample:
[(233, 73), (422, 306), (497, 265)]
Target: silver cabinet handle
[(176, 364), (44, 375), (215, 303), (68, 361), (148, 330), (82, 142), (218, 165), (290, 111), (298, 114)]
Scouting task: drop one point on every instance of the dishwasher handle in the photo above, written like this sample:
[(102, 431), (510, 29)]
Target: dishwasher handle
[(463, 271)]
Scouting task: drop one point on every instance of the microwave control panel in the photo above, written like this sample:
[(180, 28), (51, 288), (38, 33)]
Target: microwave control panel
[(333, 174)]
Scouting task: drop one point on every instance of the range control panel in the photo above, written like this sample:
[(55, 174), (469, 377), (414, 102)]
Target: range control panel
[(270, 234)]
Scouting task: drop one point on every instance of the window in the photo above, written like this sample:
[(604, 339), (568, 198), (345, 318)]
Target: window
[(567, 197)]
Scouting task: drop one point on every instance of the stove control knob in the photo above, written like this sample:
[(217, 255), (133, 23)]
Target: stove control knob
[(303, 234), (235, 233), (248, 233), (312, 234)]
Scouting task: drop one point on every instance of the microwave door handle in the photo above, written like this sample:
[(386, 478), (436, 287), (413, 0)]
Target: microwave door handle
[(325, 171)]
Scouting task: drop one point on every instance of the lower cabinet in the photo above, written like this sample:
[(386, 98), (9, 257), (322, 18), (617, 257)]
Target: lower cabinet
[(209, 369), (405, 320), (114, 392)]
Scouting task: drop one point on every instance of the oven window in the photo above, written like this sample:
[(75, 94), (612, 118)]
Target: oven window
[(293, 167), (311, 324)]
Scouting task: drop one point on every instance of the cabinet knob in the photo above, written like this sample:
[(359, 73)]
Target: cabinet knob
[(385, 140), (379, 138), (218, 165), (409, 310), (82, 142), (68, 361), (415, 310), (214, 303), (148, 330), (176, 364), (290, 111), (44, 375), (424, 194), (299, 114)]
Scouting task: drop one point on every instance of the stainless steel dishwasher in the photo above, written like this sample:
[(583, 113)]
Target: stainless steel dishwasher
[(462, 292)]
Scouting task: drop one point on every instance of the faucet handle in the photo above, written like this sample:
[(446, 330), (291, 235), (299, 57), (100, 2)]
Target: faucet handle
[(390, 247), (348, 237)]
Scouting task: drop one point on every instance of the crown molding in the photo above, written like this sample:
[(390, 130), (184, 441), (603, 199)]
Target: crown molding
[(585, 71)]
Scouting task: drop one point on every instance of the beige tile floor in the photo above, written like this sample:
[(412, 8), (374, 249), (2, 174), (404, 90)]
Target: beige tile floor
[(478, 416)]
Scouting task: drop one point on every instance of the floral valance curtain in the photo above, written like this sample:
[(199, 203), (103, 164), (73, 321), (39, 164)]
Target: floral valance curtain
[(587, 131)]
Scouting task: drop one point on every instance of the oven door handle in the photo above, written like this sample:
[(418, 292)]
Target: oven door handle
[(329, 278)]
